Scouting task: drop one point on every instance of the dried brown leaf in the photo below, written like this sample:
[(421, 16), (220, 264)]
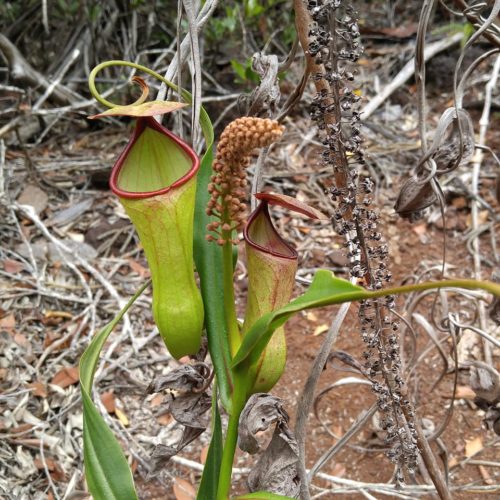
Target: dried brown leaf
[(108, 401), (39, 389), (12, 266), (414, 197), (8, 322), (138, 268), (260, 412), (156, 401), (420, 229), (164, 419), (65, 377), (34, 197), (183, 490), (56, 471), (58, 314), (465, 392), (21, 339)]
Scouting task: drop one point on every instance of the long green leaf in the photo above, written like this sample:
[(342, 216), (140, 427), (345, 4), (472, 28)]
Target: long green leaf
[(106, 469), (210, 478), (208, 259), (326, 290), (262, 495)]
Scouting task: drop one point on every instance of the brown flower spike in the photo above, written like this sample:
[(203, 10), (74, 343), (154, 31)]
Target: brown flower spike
[(227, 188)]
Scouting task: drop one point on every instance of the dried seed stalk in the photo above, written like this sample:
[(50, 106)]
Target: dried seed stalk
[(333, 47)]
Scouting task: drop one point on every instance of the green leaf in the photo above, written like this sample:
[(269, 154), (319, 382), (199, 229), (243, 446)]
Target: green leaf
[(262, 495), (106, 470), (325, 289), (239, 69), (210, 478), (208, 260), (253, 8)]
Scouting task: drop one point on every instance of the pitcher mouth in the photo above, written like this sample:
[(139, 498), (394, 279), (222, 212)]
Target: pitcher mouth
[(142, 124), (276, 245)]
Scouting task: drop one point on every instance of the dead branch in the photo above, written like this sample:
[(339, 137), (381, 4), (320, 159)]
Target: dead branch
[(23, 73)]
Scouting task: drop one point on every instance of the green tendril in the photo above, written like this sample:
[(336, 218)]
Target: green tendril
[(98, 97)]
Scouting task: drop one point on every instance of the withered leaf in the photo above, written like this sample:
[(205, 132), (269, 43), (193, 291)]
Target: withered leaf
[(12, 266), (39, 389), (183, 490), (414, 197), (276, 470), (65, 377), (189, 409), (261, 411), (34, 197), (108, 400), (186, 378), (163, 453), (456, 143), (453, 143), (485, 382), (8, 322)]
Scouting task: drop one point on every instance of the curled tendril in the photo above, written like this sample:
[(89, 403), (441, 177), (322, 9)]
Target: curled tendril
[(135, 79)]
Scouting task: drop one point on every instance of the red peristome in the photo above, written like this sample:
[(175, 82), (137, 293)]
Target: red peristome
[(271, 247), (141, 124), (282, 200)]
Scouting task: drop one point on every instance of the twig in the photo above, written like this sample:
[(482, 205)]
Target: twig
[(306, 399), (357, 425), (21, 71), (75, 54), (2, 168), (201, 19), (419, 68), (189, 7), (46, 469), (30, 213), (476, 167), (408, 70)]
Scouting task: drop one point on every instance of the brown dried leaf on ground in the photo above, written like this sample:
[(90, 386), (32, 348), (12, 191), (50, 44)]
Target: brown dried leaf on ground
[(183, 490), (8, 323), (34, 197), (108, 401), (65, 377)]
